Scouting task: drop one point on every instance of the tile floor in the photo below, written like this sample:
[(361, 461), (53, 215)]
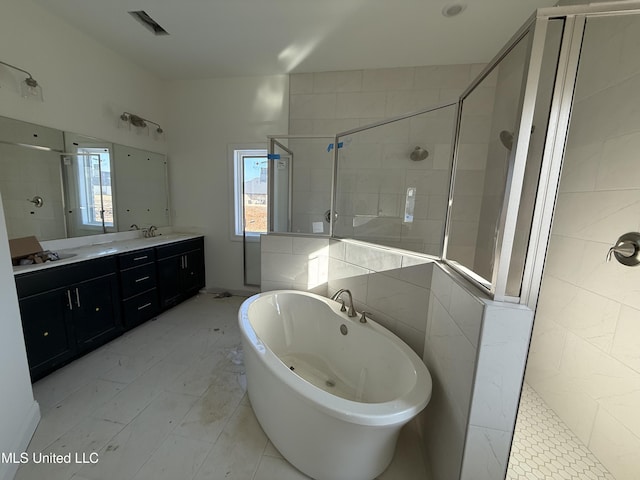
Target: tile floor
[(168, 400), (544, 448)]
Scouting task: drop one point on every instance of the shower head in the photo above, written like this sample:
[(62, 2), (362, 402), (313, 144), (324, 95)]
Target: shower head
[(418, 154), (506, 138)]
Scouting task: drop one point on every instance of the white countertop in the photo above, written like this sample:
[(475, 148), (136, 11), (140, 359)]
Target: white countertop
[(88, 252)]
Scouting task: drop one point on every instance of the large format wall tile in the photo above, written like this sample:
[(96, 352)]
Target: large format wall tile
[(615, 446)]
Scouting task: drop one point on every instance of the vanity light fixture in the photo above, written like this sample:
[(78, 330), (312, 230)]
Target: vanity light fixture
[(29, 87), (138, 121)]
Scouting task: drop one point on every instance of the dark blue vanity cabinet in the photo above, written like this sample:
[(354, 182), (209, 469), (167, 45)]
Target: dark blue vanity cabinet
[(71, 309), (180, 271), (68, 310)]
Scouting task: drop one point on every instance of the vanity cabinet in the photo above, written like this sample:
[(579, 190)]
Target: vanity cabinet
[(68, 310), (138, 286), (180, 271), (48, 334), (71, 309)]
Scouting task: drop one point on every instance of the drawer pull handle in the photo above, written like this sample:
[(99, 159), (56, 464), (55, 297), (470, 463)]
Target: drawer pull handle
[(142, 279), (140, 258), (144, 306), (77, 298)]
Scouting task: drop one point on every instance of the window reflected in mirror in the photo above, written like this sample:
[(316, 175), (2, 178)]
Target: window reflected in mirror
[(58, 184)]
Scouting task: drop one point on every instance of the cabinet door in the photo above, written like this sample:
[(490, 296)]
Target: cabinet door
[(96, 315), (48, 335), (169, 274), (192, 277)]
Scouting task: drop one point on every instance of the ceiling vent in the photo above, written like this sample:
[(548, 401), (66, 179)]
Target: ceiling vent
[(144, 18)]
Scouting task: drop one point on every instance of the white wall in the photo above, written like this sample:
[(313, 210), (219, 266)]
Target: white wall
[(19, 413), (205, 118), (86, 86)]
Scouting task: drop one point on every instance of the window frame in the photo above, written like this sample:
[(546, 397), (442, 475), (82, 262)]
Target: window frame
[(238, 154), (85, 159)]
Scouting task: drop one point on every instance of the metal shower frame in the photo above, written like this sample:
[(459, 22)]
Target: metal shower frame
[(575, 19)]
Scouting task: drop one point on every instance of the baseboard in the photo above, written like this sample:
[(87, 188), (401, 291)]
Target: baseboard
[(8, 470)]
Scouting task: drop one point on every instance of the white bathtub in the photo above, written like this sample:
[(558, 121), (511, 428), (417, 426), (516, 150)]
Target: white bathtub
[(332, 404)]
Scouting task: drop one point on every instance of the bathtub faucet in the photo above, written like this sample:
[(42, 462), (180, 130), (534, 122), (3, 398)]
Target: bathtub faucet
[(352, 311)]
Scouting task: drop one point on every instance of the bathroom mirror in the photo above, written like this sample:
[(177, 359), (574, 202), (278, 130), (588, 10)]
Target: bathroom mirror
[(95, 187)]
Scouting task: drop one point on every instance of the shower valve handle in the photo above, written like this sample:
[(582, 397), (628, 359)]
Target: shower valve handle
[(626, 249)]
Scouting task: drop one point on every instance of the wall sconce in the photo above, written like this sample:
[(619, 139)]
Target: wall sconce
[(138, 121), (29, 87)]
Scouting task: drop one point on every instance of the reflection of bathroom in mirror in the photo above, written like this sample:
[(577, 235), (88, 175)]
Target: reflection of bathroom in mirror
[(87, 180), (58, 184)]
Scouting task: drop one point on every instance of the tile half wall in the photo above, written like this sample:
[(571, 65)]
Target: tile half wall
[(475, 348)]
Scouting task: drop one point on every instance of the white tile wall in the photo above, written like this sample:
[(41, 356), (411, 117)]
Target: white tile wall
[(502, 354), (17, 184), (294, 262), (475, 349), (450, 357), (372, 187), (584, 353)]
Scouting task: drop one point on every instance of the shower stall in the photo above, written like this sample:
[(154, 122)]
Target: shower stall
[(522, 187)]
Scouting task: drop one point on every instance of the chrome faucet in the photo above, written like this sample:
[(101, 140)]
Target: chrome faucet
[(152, 230), (352, 311), (134, 227)]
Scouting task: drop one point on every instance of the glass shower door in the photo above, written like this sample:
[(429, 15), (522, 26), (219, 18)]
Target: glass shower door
[(300, 170), (280, 162)]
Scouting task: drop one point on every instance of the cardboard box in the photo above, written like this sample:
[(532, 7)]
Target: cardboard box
[(23, 247)]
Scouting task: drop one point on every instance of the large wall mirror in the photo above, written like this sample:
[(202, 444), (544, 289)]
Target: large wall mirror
[(58, 184)]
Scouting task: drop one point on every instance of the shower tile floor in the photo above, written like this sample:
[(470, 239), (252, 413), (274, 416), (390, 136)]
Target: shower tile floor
[(544, 448), (167, 401)]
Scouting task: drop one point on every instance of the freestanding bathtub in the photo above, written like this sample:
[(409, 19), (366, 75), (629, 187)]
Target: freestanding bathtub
[(332, 403)]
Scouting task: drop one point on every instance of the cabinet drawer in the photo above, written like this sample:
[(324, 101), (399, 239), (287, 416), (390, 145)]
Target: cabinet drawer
[(137, 280), (140, 308), (139, 257), (179, 248)]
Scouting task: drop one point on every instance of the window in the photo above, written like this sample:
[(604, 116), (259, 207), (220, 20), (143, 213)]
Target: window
[(250, 191), (94, 186)]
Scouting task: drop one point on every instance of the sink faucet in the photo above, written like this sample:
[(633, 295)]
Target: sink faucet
[(152, 230), (352, 311), (134, 227)]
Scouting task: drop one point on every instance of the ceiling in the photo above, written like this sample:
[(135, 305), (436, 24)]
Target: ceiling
[(222, 38)]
